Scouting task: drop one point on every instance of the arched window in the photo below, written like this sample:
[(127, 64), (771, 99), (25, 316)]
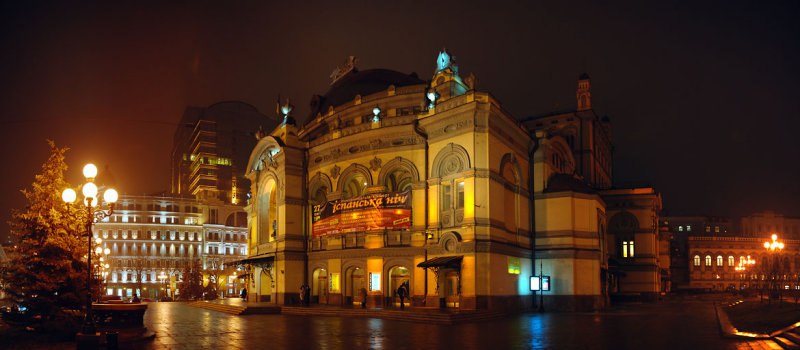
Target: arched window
[(708, 260), (697, 260), (398, 180), (719, 260), (355, 185), (731, 260)]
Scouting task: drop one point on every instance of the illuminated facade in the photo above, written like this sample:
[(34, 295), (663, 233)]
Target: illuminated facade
[(210, 148), (396, 180), (713, 259), (151, 236)]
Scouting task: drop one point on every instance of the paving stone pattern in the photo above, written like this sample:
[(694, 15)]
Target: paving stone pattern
[(679, 325)]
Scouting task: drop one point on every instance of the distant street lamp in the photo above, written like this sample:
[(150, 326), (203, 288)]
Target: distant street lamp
[(163, 278), (93, 212), (775, 246)]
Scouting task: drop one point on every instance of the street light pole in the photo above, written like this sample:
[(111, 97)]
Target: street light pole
[(89, 190)]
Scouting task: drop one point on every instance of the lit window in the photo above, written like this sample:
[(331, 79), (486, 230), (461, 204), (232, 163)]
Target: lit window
[(446, 196), (680, 228), (697, 260), (460, 194), (708, 228), (514, 265), (627, 249), (688, 227), (335, 282), (719, 260), (716, 229), (708, 260), (731, 260)]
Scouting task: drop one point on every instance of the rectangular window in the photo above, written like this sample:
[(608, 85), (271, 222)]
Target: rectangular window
[(627, 249), (460, 194), (731, 260), (446, 197), (689, 228), (680, 228)]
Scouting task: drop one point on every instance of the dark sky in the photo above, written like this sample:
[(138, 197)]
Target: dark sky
[(702, 96)]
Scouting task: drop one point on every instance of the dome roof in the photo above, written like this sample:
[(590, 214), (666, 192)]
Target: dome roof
[(360, 83)]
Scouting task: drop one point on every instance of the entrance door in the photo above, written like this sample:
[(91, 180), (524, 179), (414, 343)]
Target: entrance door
[(452, 290), (398, 276), (357, 282)]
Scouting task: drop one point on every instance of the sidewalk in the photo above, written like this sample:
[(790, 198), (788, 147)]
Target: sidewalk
[(410, 314)]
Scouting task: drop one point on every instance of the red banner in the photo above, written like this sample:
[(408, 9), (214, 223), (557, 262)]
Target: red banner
[(372, 212)]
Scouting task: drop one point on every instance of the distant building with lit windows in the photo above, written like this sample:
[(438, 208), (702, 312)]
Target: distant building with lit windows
[(149, 236), (395, 180), (211, 147)]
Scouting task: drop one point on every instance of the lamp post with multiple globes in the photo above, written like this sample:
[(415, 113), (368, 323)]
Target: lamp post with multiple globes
[(775, 247), (92, 212)]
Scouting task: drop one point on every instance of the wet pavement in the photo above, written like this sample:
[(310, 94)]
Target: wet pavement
[(687, 324)]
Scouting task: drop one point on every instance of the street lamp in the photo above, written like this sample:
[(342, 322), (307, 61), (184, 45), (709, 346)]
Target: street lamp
[(163, 278), (92, 212), (775, 246)]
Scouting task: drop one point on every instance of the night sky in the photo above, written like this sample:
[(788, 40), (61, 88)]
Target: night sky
[(702, 97)]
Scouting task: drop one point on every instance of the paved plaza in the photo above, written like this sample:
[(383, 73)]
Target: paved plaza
[(687, 324)]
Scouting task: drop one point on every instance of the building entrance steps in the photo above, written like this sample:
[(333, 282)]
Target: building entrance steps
[(236, 306)]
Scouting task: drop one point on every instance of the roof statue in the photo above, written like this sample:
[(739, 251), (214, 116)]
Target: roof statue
[(285, 110), (347, 66)]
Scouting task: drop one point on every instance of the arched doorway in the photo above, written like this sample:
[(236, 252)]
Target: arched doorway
[(354, 281), (319, 286), (398, 276)]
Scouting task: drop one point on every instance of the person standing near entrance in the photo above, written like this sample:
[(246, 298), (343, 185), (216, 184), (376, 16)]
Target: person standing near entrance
[(303, 295), (307, 294), (363, 293), (402, 293), (244, 294)]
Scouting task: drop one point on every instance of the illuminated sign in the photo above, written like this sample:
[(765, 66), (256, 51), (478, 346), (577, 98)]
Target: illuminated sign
[(371, 212), (374, 282), (534, 283), (514, 265), (545, 283), (334, 282), (540, 283)]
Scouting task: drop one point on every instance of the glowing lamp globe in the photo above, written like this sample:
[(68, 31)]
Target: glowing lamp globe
[(107, 251), (90, 171), (90, 190), (98, 251), (432, 96), (110, 195), (69, 195), (376, 111), (766, 244), (774, 237), (780, 245), (98, 240), (286, 109)]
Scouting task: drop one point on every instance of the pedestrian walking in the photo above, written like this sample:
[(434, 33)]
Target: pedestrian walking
[(308, 294), (244, 294), (402, 293)]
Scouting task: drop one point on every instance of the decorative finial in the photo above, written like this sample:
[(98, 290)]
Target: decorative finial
[(342, 70)]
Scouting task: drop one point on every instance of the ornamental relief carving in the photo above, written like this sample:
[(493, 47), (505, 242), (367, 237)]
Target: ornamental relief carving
[(449, 128), (335, 172), (373, 144)]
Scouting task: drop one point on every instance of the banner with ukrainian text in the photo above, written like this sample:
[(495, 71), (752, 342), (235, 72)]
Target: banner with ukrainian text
[(371, 212)]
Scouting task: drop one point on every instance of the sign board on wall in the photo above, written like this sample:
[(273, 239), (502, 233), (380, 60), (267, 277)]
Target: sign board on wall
[(540, 283), (371, 212)]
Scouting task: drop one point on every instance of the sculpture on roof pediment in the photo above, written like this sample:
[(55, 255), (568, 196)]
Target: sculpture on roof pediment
[(347, 66)]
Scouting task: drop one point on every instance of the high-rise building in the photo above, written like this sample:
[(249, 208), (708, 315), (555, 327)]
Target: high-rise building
[(211, 147)]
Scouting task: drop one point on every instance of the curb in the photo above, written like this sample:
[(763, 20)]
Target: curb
[(729, 331)]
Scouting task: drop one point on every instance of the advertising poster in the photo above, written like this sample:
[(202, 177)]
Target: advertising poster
[(371, 212)]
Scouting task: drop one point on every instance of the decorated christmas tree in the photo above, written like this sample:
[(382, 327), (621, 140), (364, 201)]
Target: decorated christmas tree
[(46, 276)]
